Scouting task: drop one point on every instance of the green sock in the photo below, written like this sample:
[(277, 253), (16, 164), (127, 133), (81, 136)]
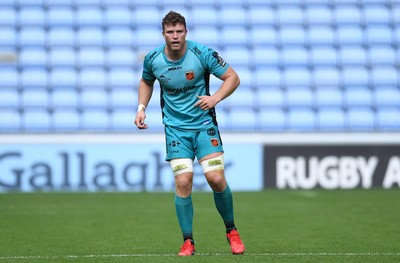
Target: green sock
[(184, 212), (224, 203)]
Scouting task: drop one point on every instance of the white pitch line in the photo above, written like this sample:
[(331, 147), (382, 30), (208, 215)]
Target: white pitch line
[(277, 254)]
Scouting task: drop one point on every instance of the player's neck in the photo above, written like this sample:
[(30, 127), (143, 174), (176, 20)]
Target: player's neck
[(175, 55)]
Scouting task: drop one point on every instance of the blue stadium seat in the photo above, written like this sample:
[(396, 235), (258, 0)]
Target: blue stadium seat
[(270, 98), (321, 35), (294, 56), (292, 35), (301, 119), (246, 77), (355, 76), (89, 16), (382, 55), (386, 96), (264, 76), (331, 119), (148, 37), (154, 119), (379, 35), (122, 57), (265, 56), (323, 56), (326, 76), (61, 3), (90, 36), (300, 98), (62, 57), (241, 98), (32, 37), (9, 99), (120, 36), (91, 57), (118, 16), (36, 120), (327, 97), (242, 119), (63, 78), (94, 99), (360, 119), (232, 16), (388, 118), (146, 16), (92, 78), (66, 120), (122, 120), (31, 16), (33, 57), (154, 103), (350, 35), (297, 77), (9, 79), (10, 121), (347, 15), (9, 37), (234, 36), (150, 3), (289, 15), (236, 56), (117, 3), (204, 16), (260, 15), (126, 98), (358, 97), (61, 16), (376, 14), (95, 120), (272, 119), (262, 36), (88, 3), (122, 78), (61, 37), (225, 3), (318, 15), (385, 75), (352, 55), (35, 98), (34, 78), (209, 35), (8, 17), (396, 14), (65, 98), (33, 3)]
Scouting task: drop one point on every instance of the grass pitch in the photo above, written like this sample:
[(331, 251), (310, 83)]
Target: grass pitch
[(275, 225)]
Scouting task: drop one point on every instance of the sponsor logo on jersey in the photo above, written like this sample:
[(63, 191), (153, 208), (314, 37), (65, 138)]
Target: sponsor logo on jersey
[(190, 75), (220, 60), (211, 132), (214, 142)]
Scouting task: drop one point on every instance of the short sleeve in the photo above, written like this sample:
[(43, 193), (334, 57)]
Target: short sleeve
[(216, 64), (147, 73)]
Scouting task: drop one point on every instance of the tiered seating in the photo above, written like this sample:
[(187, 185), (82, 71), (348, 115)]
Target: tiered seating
[(306, 65)]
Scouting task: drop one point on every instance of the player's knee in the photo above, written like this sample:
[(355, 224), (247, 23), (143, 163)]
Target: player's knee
[(213, 164)]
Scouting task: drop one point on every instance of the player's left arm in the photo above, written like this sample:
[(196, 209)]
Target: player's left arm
[(230, 82)]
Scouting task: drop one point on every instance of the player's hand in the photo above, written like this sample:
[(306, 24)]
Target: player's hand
[(205, 102), (139, 121)]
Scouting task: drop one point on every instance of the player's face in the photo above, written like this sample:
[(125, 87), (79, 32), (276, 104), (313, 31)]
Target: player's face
[(175, 37)]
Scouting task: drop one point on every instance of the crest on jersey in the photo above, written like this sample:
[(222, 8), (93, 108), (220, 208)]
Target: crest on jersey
[(190, 75), (214, 142)]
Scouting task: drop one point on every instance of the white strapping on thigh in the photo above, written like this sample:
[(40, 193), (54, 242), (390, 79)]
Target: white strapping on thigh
[(216, 163), (181, 165)]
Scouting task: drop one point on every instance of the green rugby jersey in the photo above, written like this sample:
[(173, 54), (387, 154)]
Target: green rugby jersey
[(182, 81)]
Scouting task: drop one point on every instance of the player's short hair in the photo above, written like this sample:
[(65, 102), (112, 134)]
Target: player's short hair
[(173, 18)]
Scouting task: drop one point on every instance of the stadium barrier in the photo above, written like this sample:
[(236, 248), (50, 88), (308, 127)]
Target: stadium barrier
[(123, 162)]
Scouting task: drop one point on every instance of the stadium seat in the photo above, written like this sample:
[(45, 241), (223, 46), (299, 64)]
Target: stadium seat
[(63, 78), (154, 119), (289, 15), (360, 119), (242, 119), (262, 36), (326, 76), (232, 16), (246, 78), (61, 16), (379, 35), (302, 98), (66, 120), (350, 35), (9, 79), (122, 120), (61, 3), (8, 17), (209, 35), (94, 99), (204, 16), (292, 35), (92, 78), (347, 15), (148, 37), (318, 15), (146, 16), (382, 55), (10, 121), (126, 98), (376, 14), (91, 57), (385, 75), (236, 56), (36, 120), (388, 118), (33, 57), (117, 3), (323, 56), (118, 16), (90, 36), (35, 98), (34, 78), (62, 57), (31, 16), (122, 78), (9, 99), (120, 36), (294, 56), (264, 76), (32, 37), (301, 119), (355, 76), (260, 15), (297, 77), (327, 97), (122, 57), (9, 37), (61, 37), (358, 97), (65, 99), (352, 55), (234, 36), (320, 35), (386, 96), (88, 3), (272, 120), (95, 120), (89, 16), (154, 103), (270, 98), (241, 98), (265, 56), (331, 119)]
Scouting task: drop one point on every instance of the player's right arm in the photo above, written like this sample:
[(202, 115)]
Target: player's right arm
[(144, 95)]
